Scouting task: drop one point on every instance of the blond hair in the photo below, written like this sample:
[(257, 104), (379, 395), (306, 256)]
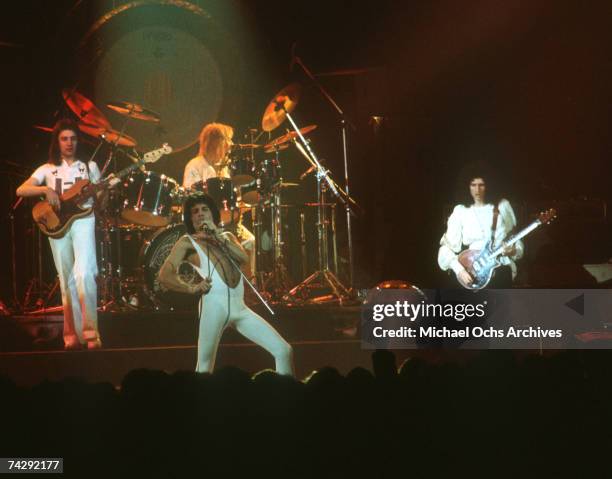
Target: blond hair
[(211, 137)]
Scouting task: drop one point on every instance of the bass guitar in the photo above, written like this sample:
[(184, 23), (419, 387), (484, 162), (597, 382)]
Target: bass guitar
[(481, 264), (54, 222)]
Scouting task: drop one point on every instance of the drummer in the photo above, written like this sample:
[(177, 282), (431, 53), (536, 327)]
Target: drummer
[(212, 162)]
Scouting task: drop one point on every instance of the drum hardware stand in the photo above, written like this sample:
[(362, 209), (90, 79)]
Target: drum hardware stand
[(277, 282), (11, 215), (112, 286), (323, 278), (303, 243), (343, 121), (36, 286)]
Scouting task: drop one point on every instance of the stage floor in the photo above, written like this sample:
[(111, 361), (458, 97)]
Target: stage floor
[(31, 347)]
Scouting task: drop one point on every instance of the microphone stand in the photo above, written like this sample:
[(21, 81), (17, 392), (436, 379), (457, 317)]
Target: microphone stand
[(343, 121)]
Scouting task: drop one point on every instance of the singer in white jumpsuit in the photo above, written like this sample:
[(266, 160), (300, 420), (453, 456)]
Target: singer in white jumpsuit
[(207, 248)]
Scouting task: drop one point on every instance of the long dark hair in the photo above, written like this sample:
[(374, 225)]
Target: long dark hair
[(54, 149), (469, 173), (194, 199)]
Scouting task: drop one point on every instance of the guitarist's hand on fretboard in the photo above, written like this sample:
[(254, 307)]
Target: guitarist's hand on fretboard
[(509, 250), (113, 180)]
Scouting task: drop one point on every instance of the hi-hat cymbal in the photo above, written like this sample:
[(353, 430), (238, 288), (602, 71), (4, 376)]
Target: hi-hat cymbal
[(289, 136), (283, 102), (275, 148), (85, 109), (110, 135), (245, 146), (134, 110)]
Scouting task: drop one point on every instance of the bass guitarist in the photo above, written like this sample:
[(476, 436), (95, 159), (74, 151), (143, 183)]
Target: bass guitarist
[(480, 217), (74, 254)]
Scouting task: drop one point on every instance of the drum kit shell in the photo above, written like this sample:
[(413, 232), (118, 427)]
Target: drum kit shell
[(143, 217)]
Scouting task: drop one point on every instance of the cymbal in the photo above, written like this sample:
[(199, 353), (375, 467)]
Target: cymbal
[(290, 136), (85, 109), (283, 102), (245, 146), (48, 129), (134, 110), (272, 149), (286, 184), (110, 135)]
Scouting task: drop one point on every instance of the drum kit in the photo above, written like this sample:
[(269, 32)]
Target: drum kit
[(142, 219)]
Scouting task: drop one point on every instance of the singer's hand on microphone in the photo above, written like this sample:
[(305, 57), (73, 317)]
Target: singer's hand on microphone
[(208, 231)]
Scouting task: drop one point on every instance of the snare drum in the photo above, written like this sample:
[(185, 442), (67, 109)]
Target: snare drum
[(148, 198)]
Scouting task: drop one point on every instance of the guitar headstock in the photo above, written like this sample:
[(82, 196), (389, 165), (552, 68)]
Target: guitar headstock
[(545, 217), (154, 155)]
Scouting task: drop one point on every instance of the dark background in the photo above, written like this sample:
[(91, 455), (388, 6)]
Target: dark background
[(525, 86)]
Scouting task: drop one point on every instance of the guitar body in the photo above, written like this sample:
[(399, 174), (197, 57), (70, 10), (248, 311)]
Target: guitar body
[(55, 223), (480, 264)]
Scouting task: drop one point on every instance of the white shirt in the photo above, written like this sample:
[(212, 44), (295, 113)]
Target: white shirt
[(198, 169), (61, 178), (471, 228)]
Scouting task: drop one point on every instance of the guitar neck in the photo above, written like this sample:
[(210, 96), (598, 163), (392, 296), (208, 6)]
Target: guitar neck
[(127, 169), (150, 157), (120, 174), (513, 239)]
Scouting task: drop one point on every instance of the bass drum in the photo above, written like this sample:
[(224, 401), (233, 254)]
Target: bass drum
[(152, 257)]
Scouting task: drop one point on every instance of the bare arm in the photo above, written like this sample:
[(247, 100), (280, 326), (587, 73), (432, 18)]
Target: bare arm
[(168, 273), (30, 187), (234, 247), (228, 241)]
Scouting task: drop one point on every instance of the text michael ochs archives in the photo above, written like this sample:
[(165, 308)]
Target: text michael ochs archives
[(422, 321)]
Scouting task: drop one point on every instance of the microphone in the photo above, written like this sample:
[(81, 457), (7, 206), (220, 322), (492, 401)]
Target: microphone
[(206, 229), (307, 172)]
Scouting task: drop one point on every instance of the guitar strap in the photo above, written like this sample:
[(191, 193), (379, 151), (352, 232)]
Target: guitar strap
[(494, 225)]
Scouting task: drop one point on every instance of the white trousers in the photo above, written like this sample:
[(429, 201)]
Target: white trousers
[(217, 311), (75, 260)]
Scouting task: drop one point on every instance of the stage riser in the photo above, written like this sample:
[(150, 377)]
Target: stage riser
[(138, 329), (27, 369)]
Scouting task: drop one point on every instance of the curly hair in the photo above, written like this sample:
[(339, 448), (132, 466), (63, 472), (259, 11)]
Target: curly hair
[(469, 173), (55, 157), (195, 199)]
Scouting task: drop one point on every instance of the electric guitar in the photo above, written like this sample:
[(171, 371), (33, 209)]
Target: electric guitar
[(54, 222), (480, 264)]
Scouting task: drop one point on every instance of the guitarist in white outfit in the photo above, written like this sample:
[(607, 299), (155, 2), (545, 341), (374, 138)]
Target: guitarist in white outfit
[(74, 254), (470, 226)]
